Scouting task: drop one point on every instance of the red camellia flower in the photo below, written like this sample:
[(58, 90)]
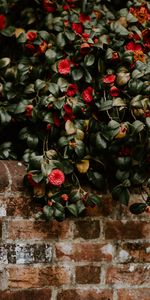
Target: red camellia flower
[(2, 22), (141, 13), (56, 177), (72, 90), (31, 35), (49, 6), (132, 46), (114, 91), (77, 27), (87, 94), (68, 113), (64, 66), (83, 18), (108, 79), (85, 36), (30, 179)]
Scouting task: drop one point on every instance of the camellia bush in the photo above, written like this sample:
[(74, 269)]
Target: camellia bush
[(75, 100)]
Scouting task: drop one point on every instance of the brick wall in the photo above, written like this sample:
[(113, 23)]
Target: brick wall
[(105, 255)]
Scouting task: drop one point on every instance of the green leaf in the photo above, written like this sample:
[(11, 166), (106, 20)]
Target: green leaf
[(39, 84), (37, 177), (137, 208), (131, 18), (80, 148), (93, 199), (72, 209), (101, 143), (75, 195), (106, 105), (121, 194), (61, 40), (4, 62), (148, 122), (50, 56), (63, 84), (138, 126), (89, 60), (48, 212), (80, 207), (96, 178), (54, 89), (77, 74), (32, 141), (70, 128), (70, 35), (8, 31)]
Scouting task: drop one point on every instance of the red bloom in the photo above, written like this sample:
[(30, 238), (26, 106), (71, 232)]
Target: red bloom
[(30, 179), (132, 46), (28, 111), (85, 36), (72, 90), (42, 47), (56, 177), (114, 91), (64, 66), (77, 27), (31, 48), (146, 38), (2, 22), (56, 120), (67, 109), (31, 35), (64, 197), (110, 78), (49, 6), (83, 18), (87, 94)]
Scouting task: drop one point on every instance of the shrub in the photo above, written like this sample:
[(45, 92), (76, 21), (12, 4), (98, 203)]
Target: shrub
[(74, 100)]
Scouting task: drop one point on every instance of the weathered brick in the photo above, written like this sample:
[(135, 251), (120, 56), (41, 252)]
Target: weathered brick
[(136, 251), (127, 229), (87, 229), (84, 251), (16, 172), (134, 294), (29, 229), (26, 253), (4, 181), (128, 274), (88, 274), (91, 294), (36, 294), (107, 208), (20, 205), (31, 277), (3, 278)]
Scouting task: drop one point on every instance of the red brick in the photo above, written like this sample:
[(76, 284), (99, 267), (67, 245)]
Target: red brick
[(88, 274), (84, 251), (134, 294), (137, 252), (91, 294), (36, 294), (20, 205), (30, 277), (127, 229), (87, 229), (30, 229), (128, 274), (107, 208)]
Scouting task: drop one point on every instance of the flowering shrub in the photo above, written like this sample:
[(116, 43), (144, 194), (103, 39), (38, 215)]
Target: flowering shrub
[(75, 100)]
